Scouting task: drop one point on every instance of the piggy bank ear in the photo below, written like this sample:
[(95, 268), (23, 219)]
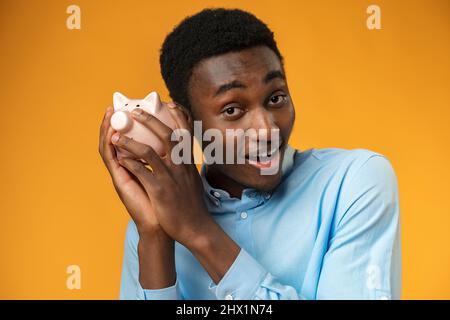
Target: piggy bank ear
[(153, 101), (119, 100)]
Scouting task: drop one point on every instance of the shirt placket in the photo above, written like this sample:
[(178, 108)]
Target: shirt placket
[(243, 217)]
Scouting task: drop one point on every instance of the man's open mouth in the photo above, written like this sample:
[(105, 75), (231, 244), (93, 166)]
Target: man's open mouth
[(264, 158)]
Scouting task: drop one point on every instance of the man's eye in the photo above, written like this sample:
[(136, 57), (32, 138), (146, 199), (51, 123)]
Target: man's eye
[(277, 99), (232, 112)]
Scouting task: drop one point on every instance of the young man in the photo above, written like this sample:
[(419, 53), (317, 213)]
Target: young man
[(324, 226)]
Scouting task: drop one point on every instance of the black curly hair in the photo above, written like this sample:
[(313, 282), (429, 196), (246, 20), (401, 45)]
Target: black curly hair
[(208, 33)]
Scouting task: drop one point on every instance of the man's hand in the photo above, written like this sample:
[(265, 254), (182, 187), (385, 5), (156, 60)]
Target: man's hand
[(155, 247), (128, 188), (176, 193)]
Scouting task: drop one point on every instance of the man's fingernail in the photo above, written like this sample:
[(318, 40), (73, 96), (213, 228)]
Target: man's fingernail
[(137, 112), (172, 105), (115, 137)]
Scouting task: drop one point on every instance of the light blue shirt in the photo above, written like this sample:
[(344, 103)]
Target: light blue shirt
[(330, 230)]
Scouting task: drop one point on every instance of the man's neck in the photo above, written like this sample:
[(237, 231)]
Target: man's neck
[(220, 181)]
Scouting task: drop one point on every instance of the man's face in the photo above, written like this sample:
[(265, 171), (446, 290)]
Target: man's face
[(244, 90)]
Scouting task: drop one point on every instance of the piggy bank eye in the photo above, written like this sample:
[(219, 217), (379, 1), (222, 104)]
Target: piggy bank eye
[(137, 106), (126, 104)]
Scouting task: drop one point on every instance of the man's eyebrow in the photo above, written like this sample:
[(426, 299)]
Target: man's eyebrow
[(236, 84), (274, 74), (228, 86)]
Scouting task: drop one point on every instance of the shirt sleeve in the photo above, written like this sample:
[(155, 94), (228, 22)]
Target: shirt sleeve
[(130, 288), (363, 257), (248, 280)]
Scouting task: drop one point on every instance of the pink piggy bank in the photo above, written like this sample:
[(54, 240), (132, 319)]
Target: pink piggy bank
[(123, 122)]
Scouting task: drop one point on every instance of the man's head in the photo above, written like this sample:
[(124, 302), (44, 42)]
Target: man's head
[(225, 68)]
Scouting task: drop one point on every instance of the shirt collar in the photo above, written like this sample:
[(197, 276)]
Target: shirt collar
[(219, 201)]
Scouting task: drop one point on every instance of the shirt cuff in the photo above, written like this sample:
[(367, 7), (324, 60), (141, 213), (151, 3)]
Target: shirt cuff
[(242, 280), (169, 293)]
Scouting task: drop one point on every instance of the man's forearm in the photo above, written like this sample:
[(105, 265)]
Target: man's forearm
[(156, 261), (215, 250)]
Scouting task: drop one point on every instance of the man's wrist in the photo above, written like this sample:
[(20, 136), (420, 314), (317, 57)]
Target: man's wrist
[(150, 235), (203, 237), (214, 249), (156, 253)]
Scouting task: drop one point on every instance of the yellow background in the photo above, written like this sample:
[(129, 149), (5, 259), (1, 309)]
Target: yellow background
[(385, 90)]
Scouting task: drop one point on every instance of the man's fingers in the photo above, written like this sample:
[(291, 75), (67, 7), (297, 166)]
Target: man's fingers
[(109, 152), (138, 169), (180, 116), (140, 150), (105, 122), (183, 120), (106, 148), (162, 131)]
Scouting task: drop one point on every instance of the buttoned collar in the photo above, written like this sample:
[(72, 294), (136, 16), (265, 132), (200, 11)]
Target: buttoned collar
[(219, 201)]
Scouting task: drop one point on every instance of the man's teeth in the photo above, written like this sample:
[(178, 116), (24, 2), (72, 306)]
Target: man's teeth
[(263, 157)]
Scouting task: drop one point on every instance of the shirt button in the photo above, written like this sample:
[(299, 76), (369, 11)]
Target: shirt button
[(244, 215), (216, 194), (228, 297)]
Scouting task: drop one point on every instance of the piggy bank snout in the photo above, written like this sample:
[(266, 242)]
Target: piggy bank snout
[(121, 121)]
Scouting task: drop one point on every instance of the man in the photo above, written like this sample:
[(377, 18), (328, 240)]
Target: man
[(324, 226)]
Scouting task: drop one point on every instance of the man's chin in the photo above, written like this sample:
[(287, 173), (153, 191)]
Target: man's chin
[(251, 178), (263, 178), (247, 175)]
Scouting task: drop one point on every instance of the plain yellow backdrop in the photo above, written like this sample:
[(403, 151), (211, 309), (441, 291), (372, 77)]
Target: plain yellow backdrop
[(386, 90)]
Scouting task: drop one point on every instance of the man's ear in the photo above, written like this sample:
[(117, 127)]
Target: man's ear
[(188, 114), (119, 100)]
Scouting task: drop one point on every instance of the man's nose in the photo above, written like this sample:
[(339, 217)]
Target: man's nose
[(263, 122)]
